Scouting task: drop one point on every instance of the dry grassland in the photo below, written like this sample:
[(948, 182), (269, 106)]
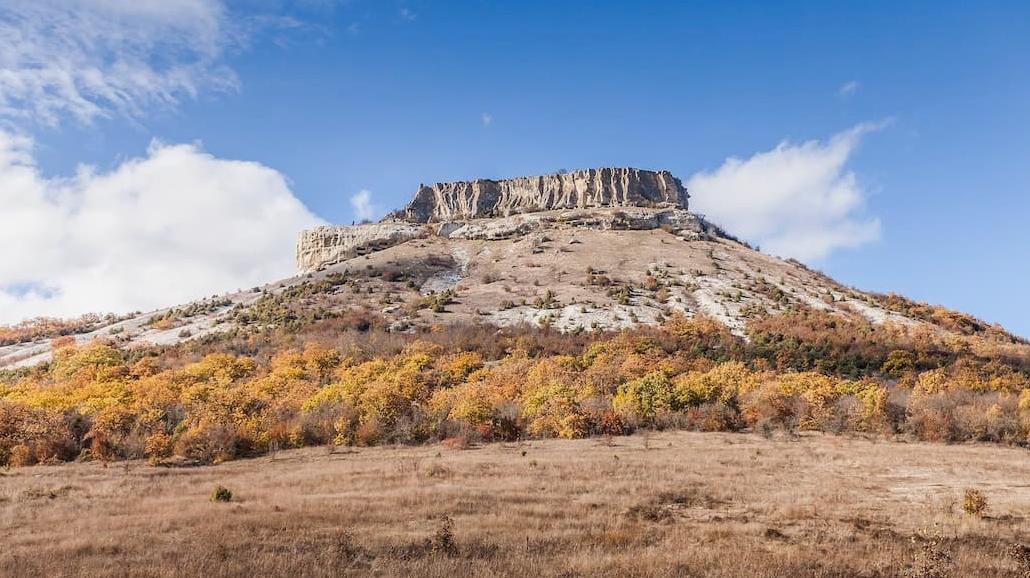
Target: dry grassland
[(672, 504)]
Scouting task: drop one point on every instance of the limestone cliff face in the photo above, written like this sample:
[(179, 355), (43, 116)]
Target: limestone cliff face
[(607, 187), (326, 245)]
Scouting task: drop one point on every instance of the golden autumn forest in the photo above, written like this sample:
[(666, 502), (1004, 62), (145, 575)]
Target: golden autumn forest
[(347, 380)]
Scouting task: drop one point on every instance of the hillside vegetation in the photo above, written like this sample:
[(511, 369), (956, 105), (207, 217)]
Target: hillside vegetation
[(346, 380)]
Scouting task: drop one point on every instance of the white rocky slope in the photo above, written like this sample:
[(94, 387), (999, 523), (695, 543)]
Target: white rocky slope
[(573, 271)]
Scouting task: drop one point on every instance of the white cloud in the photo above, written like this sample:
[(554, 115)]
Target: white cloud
[(96, 58), (361, 202), (487, 119), (797, 200), (848, 89), (174, 225)]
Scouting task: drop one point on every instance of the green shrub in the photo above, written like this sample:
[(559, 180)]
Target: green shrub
[(221, 494), (645, 397)]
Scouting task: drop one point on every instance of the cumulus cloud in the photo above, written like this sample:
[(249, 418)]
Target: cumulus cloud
[(848, 89), (797, 200), (362, 205), (171, 226), (96, 58)]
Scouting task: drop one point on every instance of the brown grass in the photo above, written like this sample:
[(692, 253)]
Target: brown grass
[(671, 504)]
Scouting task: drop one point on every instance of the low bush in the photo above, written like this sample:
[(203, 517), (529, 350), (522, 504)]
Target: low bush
[(974, 503), (221, 494)]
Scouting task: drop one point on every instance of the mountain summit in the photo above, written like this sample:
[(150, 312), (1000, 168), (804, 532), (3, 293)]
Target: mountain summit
[(598, 199)]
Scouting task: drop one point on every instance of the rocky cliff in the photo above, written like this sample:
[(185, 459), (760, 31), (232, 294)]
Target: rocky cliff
[(599, 199), (607, 187), (328, 244)]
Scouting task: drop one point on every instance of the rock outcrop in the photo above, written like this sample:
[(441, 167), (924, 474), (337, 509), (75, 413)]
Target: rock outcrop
[(602, 199), (326, 245), (607, 187), (676, 221)]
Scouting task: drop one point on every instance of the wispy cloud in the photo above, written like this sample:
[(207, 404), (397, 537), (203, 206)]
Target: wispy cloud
[(361, 203), (796, 200), (487, 119), (89, 59), (848, 89), (407, 14)]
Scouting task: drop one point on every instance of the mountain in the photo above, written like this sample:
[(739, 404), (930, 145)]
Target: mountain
[(589, 250), (568, 305)]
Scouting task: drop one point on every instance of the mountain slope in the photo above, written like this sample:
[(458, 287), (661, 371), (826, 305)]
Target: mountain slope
[(558, 273)]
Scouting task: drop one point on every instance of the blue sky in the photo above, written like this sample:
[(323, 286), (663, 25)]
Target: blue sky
[(884, 143)]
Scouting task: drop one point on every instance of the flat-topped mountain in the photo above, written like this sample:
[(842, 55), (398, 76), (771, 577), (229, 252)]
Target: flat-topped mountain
[(550, 319), (604, 187), (595, 249)]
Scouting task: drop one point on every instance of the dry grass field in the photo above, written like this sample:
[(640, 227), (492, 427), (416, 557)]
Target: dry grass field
[(671, 504)]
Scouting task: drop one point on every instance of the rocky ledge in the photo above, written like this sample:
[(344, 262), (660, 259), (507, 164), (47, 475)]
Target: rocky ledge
[(604, 199), (322, 246), (676, 221)]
